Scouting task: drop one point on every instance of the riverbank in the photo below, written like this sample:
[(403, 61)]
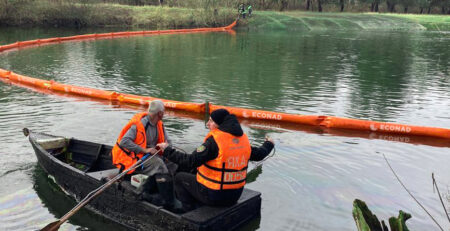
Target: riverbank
[(431, 22), (66, 14), (300, 20)]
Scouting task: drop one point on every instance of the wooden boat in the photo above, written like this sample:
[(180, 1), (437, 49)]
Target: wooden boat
[(78, 167)]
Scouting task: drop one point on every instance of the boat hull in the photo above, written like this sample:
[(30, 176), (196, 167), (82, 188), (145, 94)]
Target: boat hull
[(119, 203)]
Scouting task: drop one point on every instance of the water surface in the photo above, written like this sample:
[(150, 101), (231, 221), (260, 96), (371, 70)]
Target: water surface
[(314, 176)]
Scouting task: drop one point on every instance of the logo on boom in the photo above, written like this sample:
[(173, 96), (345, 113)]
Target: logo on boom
[(265, 115), (391, 128)]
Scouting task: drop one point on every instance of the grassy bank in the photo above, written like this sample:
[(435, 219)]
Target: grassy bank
[(300, 20), (66, 14), (431, 22)]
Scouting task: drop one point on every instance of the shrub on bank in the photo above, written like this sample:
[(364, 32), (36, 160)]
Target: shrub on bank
[(69, 14), (59, 13)]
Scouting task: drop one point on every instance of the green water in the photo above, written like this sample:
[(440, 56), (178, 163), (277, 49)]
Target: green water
[(315, 174)]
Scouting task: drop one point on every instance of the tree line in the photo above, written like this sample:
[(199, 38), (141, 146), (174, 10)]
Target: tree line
[(400, 6), (392, 6)]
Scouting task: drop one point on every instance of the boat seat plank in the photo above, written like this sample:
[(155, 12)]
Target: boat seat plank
[(110, 173), (205, 213), (84, 152), (52, 143), (104, 160), (95, 158)]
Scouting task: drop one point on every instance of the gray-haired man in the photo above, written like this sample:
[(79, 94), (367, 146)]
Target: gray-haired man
[(140, 136)]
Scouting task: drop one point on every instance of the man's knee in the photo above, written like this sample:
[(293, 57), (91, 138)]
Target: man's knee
[(163, 177), (159, 166), (179, 178), (158, 161)]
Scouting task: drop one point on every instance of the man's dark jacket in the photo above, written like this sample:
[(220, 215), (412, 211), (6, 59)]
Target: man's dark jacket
[(190, 162)]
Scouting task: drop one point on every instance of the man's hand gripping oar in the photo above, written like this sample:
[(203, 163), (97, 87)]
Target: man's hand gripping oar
[(55, 225)]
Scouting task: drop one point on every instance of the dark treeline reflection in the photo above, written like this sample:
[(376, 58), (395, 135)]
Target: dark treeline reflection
[(369, 74)]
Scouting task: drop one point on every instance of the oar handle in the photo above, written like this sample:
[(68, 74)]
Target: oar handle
[(146, 156), (114, 179)]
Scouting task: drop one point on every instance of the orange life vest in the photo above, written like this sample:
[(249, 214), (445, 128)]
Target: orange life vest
[(123, 158), (229, 169)]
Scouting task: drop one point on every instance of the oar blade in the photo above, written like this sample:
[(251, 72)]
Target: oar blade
[(54, 226)]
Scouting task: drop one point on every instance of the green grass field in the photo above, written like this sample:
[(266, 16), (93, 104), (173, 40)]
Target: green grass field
[(431, 22), (299, 20)]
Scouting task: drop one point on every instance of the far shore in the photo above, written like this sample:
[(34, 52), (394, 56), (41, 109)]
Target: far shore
[(69, 15)]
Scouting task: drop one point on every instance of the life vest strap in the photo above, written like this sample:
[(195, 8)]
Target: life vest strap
[(122, 167), (218, 182), (126, 151), (224, 169), (223, 175), (146, 126)]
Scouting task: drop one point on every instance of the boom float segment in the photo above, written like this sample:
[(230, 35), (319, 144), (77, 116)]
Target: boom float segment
[(38, 42), (338, 122), (315, 120)]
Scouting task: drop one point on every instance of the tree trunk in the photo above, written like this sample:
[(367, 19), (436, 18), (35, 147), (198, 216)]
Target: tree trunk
[(406, 10), (392, 10), (319, 5), (308, 4), (372, 7), (6, 9), (284, 5), (443, 10), (376, 7), (421, 10), (429, 10), (342, 5)]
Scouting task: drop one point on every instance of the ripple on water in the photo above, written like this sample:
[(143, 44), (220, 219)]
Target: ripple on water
[(312, 177), (325, 174), (23, 210)]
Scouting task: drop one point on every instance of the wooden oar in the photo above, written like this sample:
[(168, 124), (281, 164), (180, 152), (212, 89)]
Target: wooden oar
[(55, 225)]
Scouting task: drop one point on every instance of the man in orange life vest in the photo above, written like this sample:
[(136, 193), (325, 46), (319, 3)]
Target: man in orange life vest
[(221, 163), (140, 136)]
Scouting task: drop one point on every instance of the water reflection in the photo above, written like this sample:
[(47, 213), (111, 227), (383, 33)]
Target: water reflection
[(59, 204), (316, 173), (344, 74), (22, 210), (32, 207)]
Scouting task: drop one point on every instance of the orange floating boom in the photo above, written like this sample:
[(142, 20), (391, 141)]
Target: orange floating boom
[(315, 120), (268, 124), (338, 122), (29, 43), (267, 115)]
